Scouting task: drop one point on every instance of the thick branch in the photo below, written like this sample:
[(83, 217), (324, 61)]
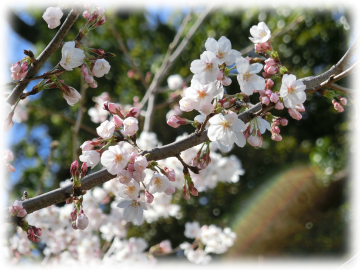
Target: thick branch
[(341, 89), (49, 50)]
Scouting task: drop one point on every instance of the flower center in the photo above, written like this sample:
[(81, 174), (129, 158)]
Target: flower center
[(208, 67), (202, 94), (291, 90), (130, 190), (102, 67), (118, 158), (135, 204), (262, 33), (157, 182), (225, 124), (122, 177), (220, 54), (69, 58), (247, 76)]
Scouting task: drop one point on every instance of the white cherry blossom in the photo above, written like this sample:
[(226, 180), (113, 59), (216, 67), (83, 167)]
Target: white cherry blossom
[(201, 96), (129, 190), (158, 183), (192, 229), (106, 129), (247, 78), (227, 129), (52, 16), (133, 210), (72, 97), (91, 158), (5, 109), (71, 57), (222, 50), (206, 68), (261, 33), (292, 91), (140, 163), (130, 126), (174, 82), (101, 68), (259, 124), (115, 159), (124, 176)]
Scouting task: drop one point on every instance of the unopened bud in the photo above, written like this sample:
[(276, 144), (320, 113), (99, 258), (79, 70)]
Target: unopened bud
[(149, 197), (84, 169), (186, 194), (74, 167)]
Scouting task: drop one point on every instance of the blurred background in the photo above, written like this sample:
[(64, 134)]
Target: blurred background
[(292, 200)]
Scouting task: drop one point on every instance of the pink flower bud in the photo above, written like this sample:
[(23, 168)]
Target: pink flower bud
[(265, 46), (82, 221), (133, 112), (22, 213), (279, 105), (17, 205), (274, 97), (170, 174), (73, 225), (186, 194), (284, 121), (170, 190), (265, 100), (294, 114), (266, 75), (84, 169), (113, 108), (10, 168), (270, 62), (220, 75), (343, 101), (133, 156), (255, 140), (269, 83), (276, 121), (89, 79), (247, 132), (149, 197), (93, 84), (271, 69), (338, 107), (86, 14), (38, 231), (130, 167), (258, 47), (275, 129), (300, 108), (118, 121), (8, 123), (276, 137), (268, 92), (73, 215), (176, 121), (74, 167), (193, 189), (12, 210)]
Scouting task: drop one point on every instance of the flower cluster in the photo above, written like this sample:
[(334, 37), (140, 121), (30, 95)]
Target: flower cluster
[(208, 239), (17, 209), (19, 69), (7, 155)]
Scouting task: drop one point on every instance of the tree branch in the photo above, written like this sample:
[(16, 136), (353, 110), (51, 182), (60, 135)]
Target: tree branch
[(341, 89), (49, 50)]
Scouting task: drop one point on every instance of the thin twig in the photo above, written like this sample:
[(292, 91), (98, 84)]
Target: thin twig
[(44, 76), (353, 260), (53, 145), (49, 50), (79, 118)]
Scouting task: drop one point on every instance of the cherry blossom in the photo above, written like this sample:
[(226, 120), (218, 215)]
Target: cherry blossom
[(129, 190), (192, 229), (140, 163), (261, 33), (52, 16), (174, 82), (206, 68), (82, 221), (71, 97), (91, 158), (71, 57), (115, 159), (106, 129), (292, 91), (124, 176), (101, 68), (247, 78), (130, 126), (133, 210), (158, 183), (222, 50), (227, 129)]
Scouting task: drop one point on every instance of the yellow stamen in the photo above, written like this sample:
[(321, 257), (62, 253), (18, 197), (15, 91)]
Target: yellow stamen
[(247, 76), (291, 90), (225, 124), (157, 182), (209, 67), (118, 158), (130, 190)]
